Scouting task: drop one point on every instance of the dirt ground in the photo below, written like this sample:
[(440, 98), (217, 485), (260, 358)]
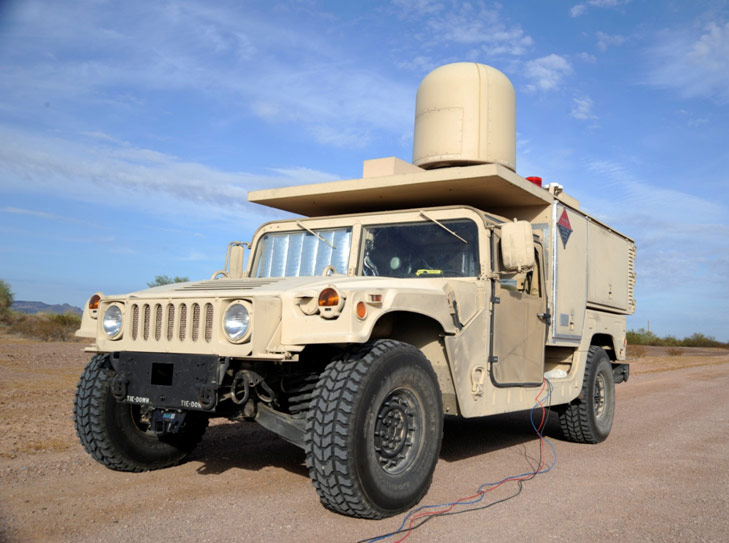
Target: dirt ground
[(662, 475)]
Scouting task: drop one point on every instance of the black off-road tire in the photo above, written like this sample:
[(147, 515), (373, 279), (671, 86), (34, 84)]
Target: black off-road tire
[(374, 430), (113, 433), (589, 418)]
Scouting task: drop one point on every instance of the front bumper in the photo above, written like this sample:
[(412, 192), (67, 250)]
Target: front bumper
[(167, 381)]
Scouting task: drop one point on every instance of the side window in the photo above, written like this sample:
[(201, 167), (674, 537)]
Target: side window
[(422, 249)]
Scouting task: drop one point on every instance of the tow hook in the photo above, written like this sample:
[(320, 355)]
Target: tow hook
[(166, 422), (119, 384), (207, 395), (240, 389)]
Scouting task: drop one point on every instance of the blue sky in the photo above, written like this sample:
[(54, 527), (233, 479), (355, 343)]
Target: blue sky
[(130, 132)]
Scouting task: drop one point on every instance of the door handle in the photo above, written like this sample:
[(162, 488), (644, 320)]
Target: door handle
[(546, 317)]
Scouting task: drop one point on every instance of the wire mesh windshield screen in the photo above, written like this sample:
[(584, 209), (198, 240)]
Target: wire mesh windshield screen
[(301, 254)]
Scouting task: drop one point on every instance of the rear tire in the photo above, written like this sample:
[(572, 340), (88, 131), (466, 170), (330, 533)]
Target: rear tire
[(116, 435), (589, 418), (374, 430)]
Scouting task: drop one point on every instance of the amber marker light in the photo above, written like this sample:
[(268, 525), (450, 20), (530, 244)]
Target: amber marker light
[(361, 310), (328, 298), (94, 302)]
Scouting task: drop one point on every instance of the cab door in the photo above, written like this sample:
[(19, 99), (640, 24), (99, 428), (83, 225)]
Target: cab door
[(519, 326)]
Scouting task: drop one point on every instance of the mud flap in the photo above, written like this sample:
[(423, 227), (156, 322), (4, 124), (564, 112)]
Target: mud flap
[(621, 373)]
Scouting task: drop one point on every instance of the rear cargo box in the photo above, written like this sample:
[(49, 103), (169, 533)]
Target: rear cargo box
[(593, 267)]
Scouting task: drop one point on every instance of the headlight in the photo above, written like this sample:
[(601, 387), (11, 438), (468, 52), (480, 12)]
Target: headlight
[(113, 322), (236, 322)]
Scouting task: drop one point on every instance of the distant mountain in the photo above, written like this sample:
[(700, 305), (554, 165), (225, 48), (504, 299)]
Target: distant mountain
[(40, 307)]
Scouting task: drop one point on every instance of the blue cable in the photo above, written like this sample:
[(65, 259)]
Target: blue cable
[(480, 488)]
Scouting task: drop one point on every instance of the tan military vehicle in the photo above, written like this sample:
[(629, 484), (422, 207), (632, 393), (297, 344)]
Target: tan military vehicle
[(450, 286)]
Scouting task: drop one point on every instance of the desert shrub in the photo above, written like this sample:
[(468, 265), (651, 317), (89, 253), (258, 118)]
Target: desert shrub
[(642, 337), (636, 351), (700, 340), (646, 337), (45, 327), (675, 351)]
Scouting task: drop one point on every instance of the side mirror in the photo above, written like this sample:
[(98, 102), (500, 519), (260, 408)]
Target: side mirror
[(236, 261), (233, 261), (517, 245)]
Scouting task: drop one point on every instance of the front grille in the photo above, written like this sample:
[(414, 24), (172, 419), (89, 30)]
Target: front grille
[(164, 323)]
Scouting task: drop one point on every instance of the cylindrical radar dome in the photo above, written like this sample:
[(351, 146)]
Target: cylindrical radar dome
[(465, 113)]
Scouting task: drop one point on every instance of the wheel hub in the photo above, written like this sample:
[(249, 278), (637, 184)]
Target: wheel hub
[(397, 431), (598, 400)]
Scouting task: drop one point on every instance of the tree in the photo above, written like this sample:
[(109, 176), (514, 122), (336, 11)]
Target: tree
[(6, 298), (160, 280)]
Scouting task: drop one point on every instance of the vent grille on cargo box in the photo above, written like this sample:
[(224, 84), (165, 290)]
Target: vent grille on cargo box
[(631, 278)]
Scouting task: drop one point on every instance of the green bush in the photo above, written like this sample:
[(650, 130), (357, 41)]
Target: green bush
[(160, 280), (6, 300)]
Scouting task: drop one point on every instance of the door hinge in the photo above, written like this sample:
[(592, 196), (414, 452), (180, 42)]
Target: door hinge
[(546, 317)]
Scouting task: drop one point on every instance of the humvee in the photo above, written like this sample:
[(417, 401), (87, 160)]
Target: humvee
[(449, 286)]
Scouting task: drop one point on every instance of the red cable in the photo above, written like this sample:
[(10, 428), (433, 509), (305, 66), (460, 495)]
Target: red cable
[(497, 485)]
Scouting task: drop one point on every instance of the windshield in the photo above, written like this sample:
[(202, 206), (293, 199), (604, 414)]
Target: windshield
[(446, 248), (301, 254)]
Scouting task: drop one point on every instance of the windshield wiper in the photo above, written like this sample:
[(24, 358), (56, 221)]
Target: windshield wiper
[(318, 236), (443, 226)]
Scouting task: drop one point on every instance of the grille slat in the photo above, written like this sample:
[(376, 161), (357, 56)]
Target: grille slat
[(157, 322), (170, 322), (145, 326), (208, 322), (135, 321), (195, 321), (183, 322)]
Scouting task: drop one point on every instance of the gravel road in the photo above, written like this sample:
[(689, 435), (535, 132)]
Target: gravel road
[(662, 475)]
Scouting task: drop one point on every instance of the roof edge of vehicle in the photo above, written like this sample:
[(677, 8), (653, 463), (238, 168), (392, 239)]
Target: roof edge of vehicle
[(484, 187)]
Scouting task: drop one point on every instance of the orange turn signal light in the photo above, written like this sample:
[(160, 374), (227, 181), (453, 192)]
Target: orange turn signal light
[(328, 298), (94, 301), (361, 310)]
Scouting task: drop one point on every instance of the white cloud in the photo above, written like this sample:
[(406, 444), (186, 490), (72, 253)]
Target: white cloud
[(696, 65), (681, 237), (546, 73), (606, 40), (581, 9), (463, 23), (220, 54), (419, 6), (45, 215), (586, 57), (131, 177), (582, 108)]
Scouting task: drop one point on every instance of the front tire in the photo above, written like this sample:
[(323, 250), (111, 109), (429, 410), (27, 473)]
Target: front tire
[(589, 419), (116, 435), (374, 430)]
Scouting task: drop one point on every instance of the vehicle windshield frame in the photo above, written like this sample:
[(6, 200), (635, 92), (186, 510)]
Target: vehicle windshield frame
[(426, 247)]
